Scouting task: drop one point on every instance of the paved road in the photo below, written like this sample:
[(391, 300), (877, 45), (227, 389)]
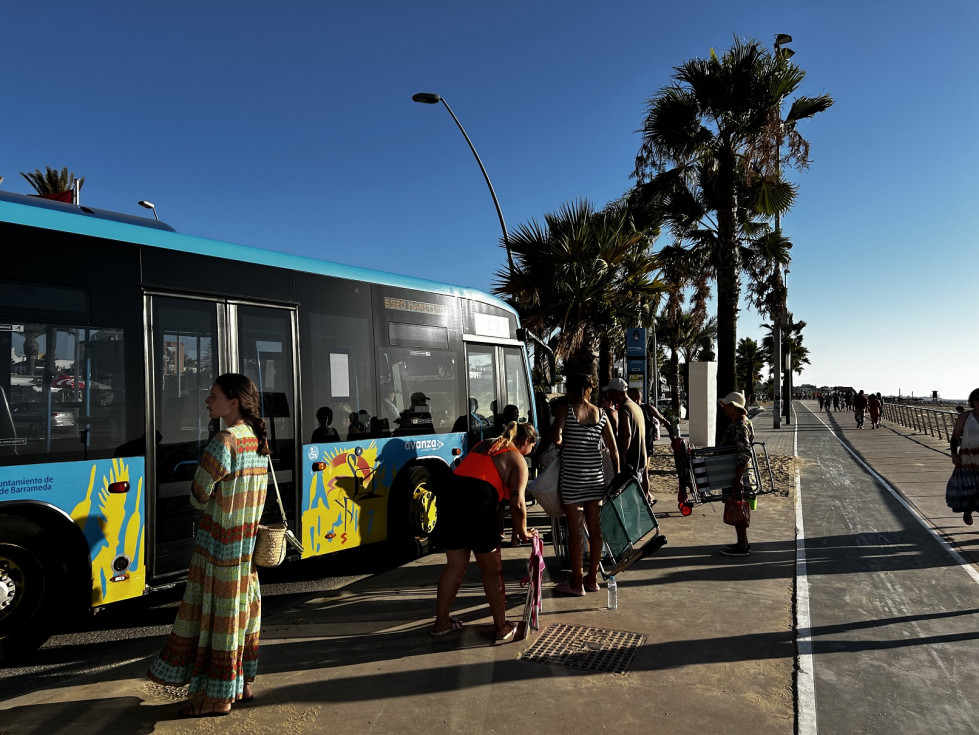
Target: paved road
[(132, 630), (894, 616)]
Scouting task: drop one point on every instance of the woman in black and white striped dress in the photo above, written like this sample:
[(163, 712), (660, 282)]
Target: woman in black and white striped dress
[(579, 431)]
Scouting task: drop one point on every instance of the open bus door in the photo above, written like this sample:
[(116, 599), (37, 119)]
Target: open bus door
[(498, 389)]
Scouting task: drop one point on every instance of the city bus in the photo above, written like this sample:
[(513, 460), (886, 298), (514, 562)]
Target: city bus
[(115, 327)]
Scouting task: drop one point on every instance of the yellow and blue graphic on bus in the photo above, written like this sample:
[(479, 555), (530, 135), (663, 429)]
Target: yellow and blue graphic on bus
[(346, 487), (105, 500)]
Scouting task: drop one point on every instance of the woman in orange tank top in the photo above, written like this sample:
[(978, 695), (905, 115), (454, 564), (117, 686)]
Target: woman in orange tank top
[(494, 470)]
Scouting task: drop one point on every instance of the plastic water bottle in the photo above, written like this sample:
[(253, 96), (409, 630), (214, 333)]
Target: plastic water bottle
[(613, 593)]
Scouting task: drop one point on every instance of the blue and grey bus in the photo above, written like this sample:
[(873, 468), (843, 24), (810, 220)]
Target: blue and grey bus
[(115, 327)]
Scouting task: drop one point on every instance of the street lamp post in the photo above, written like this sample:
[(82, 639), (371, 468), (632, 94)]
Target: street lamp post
[(429, 98), (780, 310), (149, 205)]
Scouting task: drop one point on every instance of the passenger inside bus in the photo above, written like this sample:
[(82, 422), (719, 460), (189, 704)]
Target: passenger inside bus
[(389, 409), (354, 427), (324, 432), (510, 413), (418, 418), (475, 423)]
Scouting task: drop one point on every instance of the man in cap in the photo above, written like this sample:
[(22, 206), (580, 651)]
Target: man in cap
[(417, 418), (740, 434), (631, 437)]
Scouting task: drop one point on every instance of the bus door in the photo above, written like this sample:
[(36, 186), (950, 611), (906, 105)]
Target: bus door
[(191, 342), (499, 391), (264, 349)]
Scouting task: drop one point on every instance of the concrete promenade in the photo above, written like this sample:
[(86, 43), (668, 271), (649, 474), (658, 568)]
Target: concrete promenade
[(718, 652)]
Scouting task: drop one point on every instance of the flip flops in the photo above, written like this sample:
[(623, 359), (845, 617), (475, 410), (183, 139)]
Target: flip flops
[(508, 636), (196, 709), (455, 625), (566, 589), (592, 587)]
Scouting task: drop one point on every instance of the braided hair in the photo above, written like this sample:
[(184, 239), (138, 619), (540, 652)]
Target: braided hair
[(236, 385)]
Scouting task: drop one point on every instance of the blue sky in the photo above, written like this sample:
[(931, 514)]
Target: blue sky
[(290, 126)]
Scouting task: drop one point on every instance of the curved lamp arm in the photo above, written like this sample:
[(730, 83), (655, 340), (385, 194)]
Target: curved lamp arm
[(429, 98)]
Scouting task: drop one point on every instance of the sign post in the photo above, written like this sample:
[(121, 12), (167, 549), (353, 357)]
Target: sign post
[(635, 358)]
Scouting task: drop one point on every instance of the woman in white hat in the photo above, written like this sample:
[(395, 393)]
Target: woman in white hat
[(739, 434)]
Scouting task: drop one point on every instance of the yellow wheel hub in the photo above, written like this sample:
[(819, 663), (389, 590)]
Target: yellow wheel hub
[(423, 510)]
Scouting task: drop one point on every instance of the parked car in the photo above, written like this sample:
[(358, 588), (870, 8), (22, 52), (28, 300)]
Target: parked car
[(31, 416)]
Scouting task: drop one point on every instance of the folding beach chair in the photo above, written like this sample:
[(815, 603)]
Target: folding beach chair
[(629, 528), (713, 469)]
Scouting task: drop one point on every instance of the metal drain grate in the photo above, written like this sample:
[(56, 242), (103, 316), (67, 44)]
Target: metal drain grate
[(581, 647)]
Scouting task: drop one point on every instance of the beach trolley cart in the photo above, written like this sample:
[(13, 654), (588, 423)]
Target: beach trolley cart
[(686, 496), (629, 528), (713, 469)]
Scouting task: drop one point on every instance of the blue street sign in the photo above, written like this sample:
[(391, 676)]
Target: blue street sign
[(635, 342)]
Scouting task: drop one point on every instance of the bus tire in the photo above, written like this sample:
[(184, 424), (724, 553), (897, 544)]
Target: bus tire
[(411, 513), (30, 581)]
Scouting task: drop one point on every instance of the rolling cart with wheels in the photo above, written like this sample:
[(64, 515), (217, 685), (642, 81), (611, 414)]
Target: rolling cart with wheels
[(629, 528)]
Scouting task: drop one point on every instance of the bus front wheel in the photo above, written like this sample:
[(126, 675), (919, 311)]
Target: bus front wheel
[(412, 514), (27, 589)]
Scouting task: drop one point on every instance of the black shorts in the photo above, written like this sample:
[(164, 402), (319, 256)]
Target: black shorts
[(467, 515)]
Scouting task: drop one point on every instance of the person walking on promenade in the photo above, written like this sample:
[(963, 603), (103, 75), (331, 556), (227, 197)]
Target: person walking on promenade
[(579, 432), (859, 407), (494, 471), (874, 406), (653, 419), (740, 434), (214, 642), (962, 490), (631, 436), (820, 398), (836, 402)]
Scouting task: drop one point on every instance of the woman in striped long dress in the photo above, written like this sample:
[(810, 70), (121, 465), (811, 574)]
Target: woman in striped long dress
[(962, 490), (579, 432), (214, 643)]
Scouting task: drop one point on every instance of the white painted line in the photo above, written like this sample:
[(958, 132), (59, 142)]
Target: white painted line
[(805, 675), (959, 559)]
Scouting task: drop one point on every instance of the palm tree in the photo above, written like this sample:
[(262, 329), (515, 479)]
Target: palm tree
[(751, 360), (584, 275), (713, 128), (52, 181), (791, 344), (684, 336)]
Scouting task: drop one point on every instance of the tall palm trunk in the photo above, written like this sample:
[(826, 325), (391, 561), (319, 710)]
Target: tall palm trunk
[(604, 360), (582, 360), (728, 285), (675, 381)]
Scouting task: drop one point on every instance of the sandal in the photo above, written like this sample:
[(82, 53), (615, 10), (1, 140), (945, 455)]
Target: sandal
[(591, 587), (566, 589), (455, 625), (511, 631), (196, 709)]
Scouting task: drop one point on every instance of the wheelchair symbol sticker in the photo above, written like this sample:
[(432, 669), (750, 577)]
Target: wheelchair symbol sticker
[(312, 452)]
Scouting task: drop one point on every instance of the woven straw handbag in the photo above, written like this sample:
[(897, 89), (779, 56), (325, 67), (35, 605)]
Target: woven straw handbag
[(270, 543)]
